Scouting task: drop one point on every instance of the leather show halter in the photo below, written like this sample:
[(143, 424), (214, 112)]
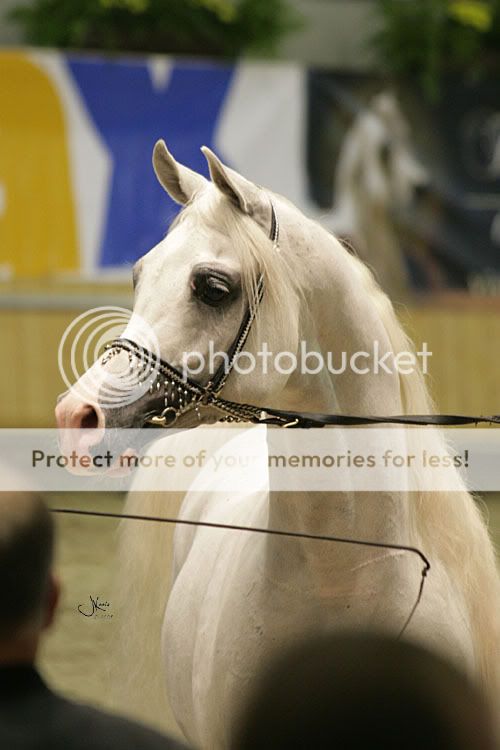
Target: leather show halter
[(182, 394)]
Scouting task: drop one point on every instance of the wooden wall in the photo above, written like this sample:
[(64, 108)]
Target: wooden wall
[(464, 336)]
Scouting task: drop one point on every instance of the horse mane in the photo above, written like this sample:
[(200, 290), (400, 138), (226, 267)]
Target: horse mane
[(450, 526)]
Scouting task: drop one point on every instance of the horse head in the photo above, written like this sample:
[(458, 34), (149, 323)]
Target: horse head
[(386, 168), (378, 182), (193, 292)]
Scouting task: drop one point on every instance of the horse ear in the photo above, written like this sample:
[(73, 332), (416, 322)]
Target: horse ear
[(241, 192), (180, 182)]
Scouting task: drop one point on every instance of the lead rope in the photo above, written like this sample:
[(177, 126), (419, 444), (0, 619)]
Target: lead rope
[(270, 532)]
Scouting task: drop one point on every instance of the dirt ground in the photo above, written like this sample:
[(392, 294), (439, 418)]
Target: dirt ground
[(76, 656)]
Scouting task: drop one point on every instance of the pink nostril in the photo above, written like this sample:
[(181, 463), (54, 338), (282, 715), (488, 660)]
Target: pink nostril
[(86, 417), (81, 425)]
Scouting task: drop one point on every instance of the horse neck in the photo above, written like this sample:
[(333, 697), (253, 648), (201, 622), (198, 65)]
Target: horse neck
[(347, 313), (344, 315)]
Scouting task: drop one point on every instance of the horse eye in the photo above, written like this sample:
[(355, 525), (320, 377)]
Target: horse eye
[(210, 289)]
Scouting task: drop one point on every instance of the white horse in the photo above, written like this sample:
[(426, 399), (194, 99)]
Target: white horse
[(236, 596), (377, 176)]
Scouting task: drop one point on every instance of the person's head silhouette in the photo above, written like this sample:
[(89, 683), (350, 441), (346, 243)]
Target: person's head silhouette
[(361, 691), (28, 590)]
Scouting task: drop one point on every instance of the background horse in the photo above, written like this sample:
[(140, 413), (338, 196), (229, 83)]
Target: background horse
[(237, 596), (377, 179)]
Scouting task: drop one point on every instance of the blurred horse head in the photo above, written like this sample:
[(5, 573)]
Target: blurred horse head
[(378, 178)]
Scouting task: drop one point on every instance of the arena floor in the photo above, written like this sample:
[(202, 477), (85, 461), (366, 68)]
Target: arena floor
[(76, 657)]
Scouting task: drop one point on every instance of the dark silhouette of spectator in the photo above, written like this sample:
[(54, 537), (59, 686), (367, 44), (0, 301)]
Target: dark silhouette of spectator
[(32, 716), (361, 692)]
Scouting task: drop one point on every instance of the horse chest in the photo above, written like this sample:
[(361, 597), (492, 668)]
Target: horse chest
[(230, 609)]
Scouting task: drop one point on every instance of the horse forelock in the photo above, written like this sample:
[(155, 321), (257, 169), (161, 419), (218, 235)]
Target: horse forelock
[(438, 520)]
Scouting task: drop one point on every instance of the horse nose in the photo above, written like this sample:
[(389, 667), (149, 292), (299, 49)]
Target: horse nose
[(74, 415)]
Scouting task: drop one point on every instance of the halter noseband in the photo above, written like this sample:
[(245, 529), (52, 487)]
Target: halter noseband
[(181, 393)]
